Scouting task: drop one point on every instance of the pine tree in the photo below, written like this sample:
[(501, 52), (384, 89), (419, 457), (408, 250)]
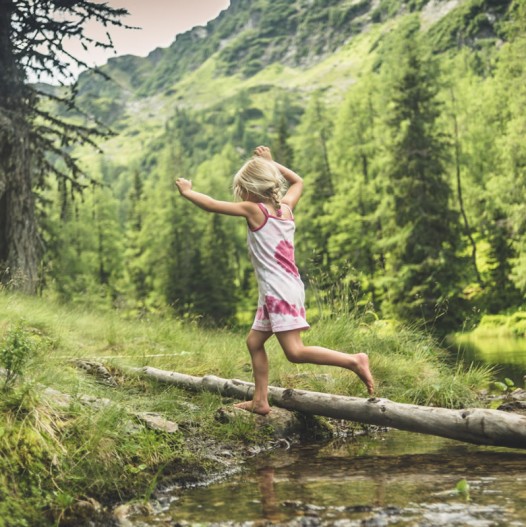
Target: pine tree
[(424, 268), (109, 241), (220, 247), (32, 39), (136, 273), (280, 145), (511, 75), (182, 258), (311, 154), (216, 292), (353, 223), (501, 292), (67, 265)]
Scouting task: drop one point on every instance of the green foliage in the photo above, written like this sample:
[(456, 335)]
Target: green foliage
[(506, 387), (369, 128), (280, 146), (462, 488), (313, 163), (423, 262), (215, 289), (352, 213), (16, 350), (510, 75), (513, 324), (468, 24)]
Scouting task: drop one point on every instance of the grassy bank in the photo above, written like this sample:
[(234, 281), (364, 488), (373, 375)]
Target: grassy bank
[(54, 458), (503, 325)]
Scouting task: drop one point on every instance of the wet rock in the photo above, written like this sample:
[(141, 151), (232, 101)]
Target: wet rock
[(280, 423), (223, 458), (391, 510), (457, 515), (293, 504), (375, 521), (304, 507), (358, 508), (122, 513), (86, 512), (519, 394), (516, 406), (309, 521)]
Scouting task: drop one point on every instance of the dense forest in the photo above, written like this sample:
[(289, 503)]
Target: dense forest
[(404, 117)]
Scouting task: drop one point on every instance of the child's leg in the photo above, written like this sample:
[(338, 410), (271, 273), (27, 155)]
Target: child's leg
[(296, 351), (256, 345)]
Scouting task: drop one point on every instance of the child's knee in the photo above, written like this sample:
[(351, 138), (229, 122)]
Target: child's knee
[(253, 344), (294, 355), (250, 344)]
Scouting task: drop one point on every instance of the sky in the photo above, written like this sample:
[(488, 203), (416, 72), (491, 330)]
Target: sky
[(160, 21)]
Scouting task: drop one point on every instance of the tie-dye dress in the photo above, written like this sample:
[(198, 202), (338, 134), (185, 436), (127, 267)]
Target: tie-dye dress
[(281, 303)]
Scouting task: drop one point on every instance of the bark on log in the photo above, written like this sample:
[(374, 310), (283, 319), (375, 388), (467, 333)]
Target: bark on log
[(473, 425)]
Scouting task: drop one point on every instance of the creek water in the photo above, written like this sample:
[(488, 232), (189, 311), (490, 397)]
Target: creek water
[(506, 354), (393, 478), (396, 478)]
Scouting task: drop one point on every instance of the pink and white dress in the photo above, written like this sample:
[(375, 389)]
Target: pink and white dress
[(281, 303)]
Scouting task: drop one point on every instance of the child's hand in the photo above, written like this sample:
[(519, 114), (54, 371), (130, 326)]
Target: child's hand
[(183, 185), (263, 151)]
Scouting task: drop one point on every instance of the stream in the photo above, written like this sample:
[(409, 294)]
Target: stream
[(392, 478), (506, 354), (395, 478)]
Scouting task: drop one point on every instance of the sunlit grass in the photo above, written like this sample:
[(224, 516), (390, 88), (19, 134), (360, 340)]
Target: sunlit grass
[(103, 450), (408, 365)]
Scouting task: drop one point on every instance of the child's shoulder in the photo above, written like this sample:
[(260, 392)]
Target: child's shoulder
[(254, 213), (250, 205)]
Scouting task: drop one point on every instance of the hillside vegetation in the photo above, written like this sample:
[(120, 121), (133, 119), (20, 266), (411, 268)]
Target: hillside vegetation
[(404, 118)]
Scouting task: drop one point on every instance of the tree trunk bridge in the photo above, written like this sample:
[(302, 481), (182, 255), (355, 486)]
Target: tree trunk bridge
[(474, 425)]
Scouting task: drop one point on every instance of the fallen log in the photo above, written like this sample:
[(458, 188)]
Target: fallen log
[(474, 425)]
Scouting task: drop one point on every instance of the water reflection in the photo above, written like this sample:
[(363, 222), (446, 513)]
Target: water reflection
[(407, 475), (270, 508), (508, 355)]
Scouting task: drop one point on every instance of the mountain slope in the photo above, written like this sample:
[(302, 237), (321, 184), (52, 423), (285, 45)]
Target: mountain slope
[(261, 45)]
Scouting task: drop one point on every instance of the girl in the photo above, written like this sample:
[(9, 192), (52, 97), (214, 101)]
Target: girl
[(259, 185)]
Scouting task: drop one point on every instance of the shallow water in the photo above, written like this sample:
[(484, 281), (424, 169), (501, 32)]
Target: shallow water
[(397, 478), (506, 354)]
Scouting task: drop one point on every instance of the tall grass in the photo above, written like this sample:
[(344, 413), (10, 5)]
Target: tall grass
[(409, 366), (50, 455)]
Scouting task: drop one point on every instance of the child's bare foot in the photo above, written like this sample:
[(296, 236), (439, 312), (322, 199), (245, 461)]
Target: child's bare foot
[(254, 407), (361, 368)]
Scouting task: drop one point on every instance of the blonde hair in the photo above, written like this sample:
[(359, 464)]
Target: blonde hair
[(259, 178)]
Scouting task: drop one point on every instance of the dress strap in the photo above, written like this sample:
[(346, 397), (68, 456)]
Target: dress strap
[(264, 209), (290, 210)]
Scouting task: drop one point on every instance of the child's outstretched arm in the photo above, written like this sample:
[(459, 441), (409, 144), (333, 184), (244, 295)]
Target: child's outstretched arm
[(295, 189), (243, 208)]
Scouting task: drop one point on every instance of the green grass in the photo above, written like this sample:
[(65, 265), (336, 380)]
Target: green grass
[(50, 457), (401, 358)]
